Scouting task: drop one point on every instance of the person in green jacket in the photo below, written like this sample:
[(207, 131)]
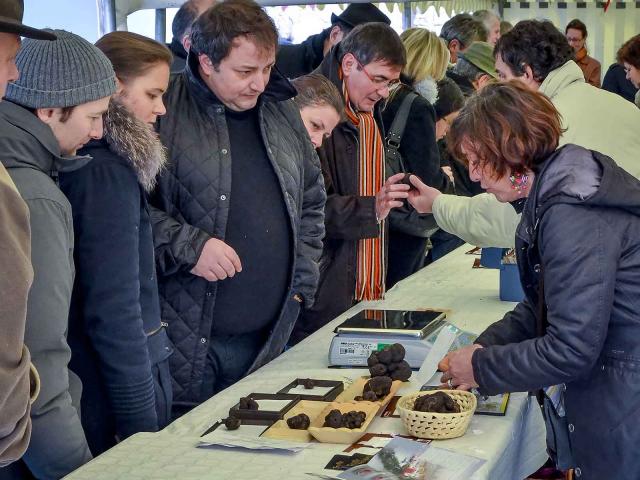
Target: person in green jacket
[(591, 117), (48, 113)]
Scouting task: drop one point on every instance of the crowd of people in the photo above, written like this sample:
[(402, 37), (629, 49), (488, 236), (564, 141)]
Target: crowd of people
[(174, 217)]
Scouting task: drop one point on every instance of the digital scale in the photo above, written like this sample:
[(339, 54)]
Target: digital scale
[(371, 330)]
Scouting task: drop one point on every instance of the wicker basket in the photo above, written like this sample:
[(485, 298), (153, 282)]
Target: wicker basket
[(437, 426)]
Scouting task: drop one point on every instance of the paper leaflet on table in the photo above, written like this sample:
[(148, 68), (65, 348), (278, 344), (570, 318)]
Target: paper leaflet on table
[(404, 459), (448, 338), (248, 436)]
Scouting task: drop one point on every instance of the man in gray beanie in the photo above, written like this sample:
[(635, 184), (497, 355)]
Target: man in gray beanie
[(15, 258), (53, 109)]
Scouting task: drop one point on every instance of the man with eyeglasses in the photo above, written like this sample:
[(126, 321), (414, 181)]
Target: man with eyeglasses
[(364, 66)]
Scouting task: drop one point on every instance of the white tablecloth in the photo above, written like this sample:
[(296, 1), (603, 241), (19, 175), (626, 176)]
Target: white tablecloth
[(513, 445)]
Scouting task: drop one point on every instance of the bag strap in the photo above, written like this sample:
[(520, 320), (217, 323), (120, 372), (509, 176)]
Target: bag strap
[(396, 131)]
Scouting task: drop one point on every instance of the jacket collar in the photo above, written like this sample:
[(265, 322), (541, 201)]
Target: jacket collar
[(177, 49), (134, 143), (560, 78), (278, 89), (314, 47), (36, 147)]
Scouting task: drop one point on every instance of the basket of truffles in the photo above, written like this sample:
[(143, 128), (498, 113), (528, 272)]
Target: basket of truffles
[(438, 414)]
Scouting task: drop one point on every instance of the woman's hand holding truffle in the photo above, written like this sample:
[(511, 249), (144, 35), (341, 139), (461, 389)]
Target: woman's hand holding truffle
[(422, 196), (459, 371)]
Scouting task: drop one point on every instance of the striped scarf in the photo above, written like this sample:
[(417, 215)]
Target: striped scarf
[(371, 264)]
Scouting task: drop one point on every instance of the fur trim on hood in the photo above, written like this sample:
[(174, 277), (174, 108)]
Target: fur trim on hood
[(136, 141), (428, 88)]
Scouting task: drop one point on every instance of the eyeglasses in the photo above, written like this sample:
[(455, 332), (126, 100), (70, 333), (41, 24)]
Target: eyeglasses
[(378, 82)]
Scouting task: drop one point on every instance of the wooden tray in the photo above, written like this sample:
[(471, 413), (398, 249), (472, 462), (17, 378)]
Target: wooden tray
[(281, 431), (355, 390), (342, 435)]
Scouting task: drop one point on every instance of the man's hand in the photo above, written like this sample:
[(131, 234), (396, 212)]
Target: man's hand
[(217, 261), (421, 197), (391, 196), (457, 368)]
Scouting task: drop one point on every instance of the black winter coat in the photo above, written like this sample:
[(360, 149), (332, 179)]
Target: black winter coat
[(348, 218), (420, 155), (179, 56), (580, 229), (192, 202), (615, 80), (297, 60), (119, 348)]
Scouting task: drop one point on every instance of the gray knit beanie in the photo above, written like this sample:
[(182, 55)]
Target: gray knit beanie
[(65, 72)]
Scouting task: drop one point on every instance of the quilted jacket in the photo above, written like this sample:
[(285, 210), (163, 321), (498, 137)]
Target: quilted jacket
[(192, 205)]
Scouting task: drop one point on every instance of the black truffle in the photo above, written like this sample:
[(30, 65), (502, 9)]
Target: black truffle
[(381, 386), (299, 422), (248, 403), (353, 419), (369, 396), (378, 370), (402, 372), (397, 352), (373, 359), (308, 383), (333, 419), (384, 356), (393, 366), (438, 402), (232, 423)]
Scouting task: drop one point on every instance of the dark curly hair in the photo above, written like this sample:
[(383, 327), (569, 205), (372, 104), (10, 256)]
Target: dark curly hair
[(534, 43), (214, 32), (630, 52)]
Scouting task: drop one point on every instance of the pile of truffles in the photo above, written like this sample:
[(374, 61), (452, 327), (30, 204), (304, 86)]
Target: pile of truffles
[(438, 402), (351, 420), (299, 422), (248, 403), (390, 362), (385, 366)]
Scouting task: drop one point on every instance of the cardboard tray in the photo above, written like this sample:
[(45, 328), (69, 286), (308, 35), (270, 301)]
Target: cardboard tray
[(281, 431), (355, 390), (337, 388), (259, 414), (342, 435)]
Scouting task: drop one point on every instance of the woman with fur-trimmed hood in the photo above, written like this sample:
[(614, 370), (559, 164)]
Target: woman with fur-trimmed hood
[(119, 346)]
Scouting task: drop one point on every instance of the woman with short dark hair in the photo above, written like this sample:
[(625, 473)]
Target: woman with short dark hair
[(574, 338), (119, 347)]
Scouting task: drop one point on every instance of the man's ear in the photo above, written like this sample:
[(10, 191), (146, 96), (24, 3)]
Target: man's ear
[(119, 86), (349, 64), (529, 78), (335, 35), (186, 42), (454, 48), (46, 114), (206, 65)]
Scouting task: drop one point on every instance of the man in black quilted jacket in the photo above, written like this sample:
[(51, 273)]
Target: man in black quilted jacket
[(240, 209)]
